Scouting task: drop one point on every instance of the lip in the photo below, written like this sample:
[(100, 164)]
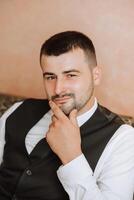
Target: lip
[(61, 100)]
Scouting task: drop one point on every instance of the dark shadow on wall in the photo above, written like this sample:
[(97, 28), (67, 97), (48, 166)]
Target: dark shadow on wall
[(7, 101)]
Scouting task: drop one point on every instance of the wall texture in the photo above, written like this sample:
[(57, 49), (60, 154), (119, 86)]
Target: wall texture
[(26, 24)]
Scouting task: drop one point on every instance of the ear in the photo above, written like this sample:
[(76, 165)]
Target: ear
[(96, 75)]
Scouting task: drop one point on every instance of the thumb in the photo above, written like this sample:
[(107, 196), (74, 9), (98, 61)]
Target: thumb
[(73, 117)]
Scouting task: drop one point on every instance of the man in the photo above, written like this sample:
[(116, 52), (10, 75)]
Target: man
[(68, 147)]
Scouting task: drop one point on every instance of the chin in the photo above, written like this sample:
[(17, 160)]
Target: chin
[(67, 110)]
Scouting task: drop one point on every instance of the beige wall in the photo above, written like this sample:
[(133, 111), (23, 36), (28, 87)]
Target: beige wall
[(109, 23)]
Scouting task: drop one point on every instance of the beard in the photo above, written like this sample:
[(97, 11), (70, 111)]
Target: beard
[(67, 106), (72, 103)]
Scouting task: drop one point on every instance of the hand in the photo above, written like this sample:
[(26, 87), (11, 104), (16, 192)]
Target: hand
[(63, 135)]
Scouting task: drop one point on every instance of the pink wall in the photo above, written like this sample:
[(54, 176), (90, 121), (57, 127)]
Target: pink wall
[(26, 24)]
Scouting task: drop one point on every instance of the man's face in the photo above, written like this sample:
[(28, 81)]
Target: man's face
[(69, 81)]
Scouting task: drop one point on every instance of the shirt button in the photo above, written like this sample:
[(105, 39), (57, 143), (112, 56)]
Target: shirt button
[(28, 172)]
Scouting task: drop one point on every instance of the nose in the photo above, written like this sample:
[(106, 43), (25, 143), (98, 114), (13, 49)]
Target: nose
[(60, 86)]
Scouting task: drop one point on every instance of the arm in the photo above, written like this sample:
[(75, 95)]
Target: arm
[(113, 178), (114, 175), (2, 128)]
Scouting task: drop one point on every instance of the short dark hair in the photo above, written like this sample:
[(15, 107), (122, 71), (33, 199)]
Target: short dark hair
[(66, 41)]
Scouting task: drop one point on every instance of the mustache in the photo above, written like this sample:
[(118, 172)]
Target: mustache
[(63, 95)]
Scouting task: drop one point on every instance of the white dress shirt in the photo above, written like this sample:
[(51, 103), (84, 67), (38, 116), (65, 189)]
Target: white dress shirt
[(113, 178)]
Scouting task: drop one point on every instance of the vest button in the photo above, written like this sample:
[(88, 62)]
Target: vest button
[(28, 172)]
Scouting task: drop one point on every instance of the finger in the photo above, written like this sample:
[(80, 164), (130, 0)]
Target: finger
[(73, 117), (56, 110), (54, 119)]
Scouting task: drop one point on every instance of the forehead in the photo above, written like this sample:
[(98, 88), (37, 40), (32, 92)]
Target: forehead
[(72, 59)]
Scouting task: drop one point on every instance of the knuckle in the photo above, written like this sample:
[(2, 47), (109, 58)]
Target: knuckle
[(57, 124), (55, 109), (47, 137)]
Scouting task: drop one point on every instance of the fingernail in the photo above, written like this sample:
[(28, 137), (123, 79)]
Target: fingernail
[(51, 103)]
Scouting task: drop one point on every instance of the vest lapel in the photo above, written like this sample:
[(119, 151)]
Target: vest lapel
[(99, 119), (96, 133)]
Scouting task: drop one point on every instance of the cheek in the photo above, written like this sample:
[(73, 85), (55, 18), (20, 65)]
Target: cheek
[(77, 87), (48, 87), (81, 84), (83, 87)]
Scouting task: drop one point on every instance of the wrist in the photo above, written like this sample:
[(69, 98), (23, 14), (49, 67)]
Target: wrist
[(69, 158)]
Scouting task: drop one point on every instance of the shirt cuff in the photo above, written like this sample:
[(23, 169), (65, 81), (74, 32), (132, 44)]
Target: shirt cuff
[(75, 171)]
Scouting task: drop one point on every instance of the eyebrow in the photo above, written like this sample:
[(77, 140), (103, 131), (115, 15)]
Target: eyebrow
[(48, 73), (64, 72), (71, 70)]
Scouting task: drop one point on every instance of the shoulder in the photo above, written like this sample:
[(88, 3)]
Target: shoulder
[(109, 115), (119, 151), (26, 102), (122, 141), (124, 132), (10, 110)]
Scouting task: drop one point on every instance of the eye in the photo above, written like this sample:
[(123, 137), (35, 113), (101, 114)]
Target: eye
[(71, 75), (50, 77)]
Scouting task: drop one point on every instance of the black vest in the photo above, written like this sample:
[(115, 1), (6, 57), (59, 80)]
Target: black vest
[(33, 177)]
